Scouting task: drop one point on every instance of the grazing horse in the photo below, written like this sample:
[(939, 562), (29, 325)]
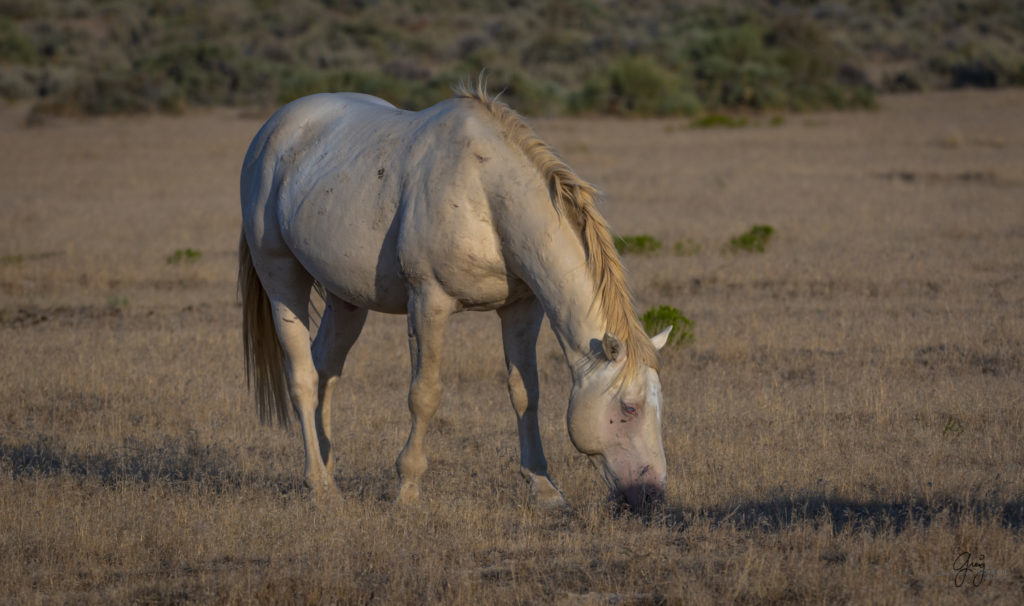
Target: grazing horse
[(457, 207)]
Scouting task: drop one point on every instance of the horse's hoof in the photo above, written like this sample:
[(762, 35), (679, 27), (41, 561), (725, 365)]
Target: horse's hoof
[(549, 502), (544, 495), (408, 494), (321, 488)]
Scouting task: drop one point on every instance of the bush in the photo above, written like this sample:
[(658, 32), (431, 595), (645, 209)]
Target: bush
[(550, 58), (636, 85), (753, 240), (15, 47), (656, 319), (636, 244), (640, 85)]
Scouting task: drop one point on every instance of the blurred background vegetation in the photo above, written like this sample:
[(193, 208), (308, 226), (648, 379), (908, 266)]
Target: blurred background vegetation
[(551, 57)]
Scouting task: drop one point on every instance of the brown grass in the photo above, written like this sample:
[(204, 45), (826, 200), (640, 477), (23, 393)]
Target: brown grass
[(848, 421)]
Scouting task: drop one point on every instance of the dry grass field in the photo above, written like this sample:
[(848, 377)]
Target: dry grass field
[(846, 424)]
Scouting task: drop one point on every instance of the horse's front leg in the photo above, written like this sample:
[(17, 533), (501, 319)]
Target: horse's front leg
[(520, 325), (428, 313)]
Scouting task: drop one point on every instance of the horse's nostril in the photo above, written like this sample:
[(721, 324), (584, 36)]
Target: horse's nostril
[(644, 470)]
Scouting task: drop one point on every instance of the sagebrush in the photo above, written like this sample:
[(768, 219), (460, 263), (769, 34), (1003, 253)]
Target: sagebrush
[(102, 56)]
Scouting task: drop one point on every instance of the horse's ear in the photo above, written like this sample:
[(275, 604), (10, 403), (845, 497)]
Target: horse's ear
[(661, 338), (612, 346)]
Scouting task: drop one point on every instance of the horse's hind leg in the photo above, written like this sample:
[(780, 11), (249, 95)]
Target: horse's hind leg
[(288, 286), (428, 313), (520, 324), (339, 330)]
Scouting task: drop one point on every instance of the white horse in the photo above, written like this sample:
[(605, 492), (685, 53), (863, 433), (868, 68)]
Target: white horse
[(457, 207)]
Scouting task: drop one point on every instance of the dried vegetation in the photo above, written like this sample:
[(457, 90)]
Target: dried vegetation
[(846, 423)]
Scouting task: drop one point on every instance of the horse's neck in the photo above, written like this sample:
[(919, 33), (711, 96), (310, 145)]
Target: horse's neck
[(568, 298), (551, 260)]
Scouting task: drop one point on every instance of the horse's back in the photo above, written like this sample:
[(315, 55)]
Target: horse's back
[(343, 172)]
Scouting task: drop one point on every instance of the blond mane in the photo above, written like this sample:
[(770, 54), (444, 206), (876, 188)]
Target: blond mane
[(574, 199)]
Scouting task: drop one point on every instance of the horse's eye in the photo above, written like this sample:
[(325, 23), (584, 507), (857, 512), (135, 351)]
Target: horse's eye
[(629, 410)]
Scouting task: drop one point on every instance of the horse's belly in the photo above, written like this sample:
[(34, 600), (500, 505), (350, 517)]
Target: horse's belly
[(383, 293), (351, 251)]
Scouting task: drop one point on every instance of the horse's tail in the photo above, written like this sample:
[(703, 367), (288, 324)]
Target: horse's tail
[(264, 356)]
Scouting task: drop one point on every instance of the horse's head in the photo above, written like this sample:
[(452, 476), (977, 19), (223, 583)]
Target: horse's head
[(615, 419)]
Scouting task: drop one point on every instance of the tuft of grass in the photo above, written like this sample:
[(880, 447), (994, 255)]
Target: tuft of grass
[(116, 301), (12, 259), (753, 240), (656, 319), (636, 245), (187, 255)]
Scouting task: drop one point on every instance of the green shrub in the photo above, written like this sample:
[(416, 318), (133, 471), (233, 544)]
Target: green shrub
[(100, 56), (753, 240), (657, 319), (636, 244), (530, 95), (15, 47), (635, 85), (640, 85)]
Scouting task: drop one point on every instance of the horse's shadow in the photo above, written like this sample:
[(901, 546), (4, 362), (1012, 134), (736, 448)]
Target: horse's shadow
[(185, 462), (170, 461), (872, 516), (177, 462)]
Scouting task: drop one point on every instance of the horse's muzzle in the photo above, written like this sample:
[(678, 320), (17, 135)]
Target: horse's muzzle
[(642, 497), (640, 489)]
